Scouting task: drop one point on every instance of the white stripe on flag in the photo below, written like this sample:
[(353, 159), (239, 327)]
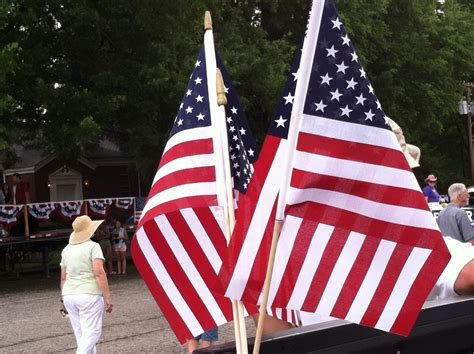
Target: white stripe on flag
[(184, 163), (380, 211), (316, 249), (174, 295), (202, 238), (355, 170), (188, 135), (285, 245), (218, 212), (189, 268), (414, 263), (340, 272), (257, 226), (371, 281), (357, 133), (181, 191)]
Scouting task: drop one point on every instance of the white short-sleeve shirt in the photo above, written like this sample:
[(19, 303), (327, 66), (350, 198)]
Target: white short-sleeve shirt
[(80, 277)]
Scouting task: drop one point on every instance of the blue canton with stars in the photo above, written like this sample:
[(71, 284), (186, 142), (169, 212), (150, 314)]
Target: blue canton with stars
[(194, 108), (242, 147), (338, 87), (194, 112), (282, 115)]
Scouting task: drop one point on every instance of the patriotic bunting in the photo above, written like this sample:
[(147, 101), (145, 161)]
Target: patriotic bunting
[(100, 207), (41, 211), (70, 210), (124, 203), (9, 213)]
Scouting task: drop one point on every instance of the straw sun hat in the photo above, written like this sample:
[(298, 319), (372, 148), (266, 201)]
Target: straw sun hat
[(83, 228)]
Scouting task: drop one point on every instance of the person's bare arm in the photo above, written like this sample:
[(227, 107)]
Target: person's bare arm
[(125, 234), (63, 277), (471, 241), (464, 284), (101, 278)]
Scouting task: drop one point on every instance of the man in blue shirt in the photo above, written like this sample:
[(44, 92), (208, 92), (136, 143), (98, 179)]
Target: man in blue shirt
[(453, 221)]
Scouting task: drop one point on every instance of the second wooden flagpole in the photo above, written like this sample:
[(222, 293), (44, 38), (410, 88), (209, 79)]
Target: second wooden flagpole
[(266, 286)]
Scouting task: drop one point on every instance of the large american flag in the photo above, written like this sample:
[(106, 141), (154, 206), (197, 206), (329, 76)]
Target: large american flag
[(180, 241), (358, 240)]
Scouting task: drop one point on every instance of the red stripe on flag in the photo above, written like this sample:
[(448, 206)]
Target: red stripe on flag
[(181, 203), (429, 274), (409, 235), (295, 262), (166, 306), (199, 259), (184, 176), (326, 266), (247, 205), (188, 148), (213, 230), (179, 276), (348, 150), (259, 267), (368, 190), (355, 277), (384, 289)]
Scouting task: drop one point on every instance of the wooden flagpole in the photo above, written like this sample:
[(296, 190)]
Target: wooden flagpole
[(238, 311), (266, 286)]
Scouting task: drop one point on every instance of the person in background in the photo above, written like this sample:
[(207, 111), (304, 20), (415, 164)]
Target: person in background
[(453, 221), (84, 286), (20, 193), (120, 238), (429, 191), (103, 238), (6, 193), (207, 338)]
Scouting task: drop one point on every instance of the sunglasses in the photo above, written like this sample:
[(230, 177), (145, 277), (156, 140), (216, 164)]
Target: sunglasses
[(432, 182)]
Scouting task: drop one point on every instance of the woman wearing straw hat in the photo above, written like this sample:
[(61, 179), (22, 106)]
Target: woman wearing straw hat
[(429, 191), (84, 284)]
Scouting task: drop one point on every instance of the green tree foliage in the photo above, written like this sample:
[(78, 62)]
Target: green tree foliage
[(73, 72)]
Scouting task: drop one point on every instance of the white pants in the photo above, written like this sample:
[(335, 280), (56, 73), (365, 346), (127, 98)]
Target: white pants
[(85, 313)]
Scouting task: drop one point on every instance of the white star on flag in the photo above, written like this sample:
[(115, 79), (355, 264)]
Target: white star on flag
[(345, 111), (369, 115), (335, 95), (326, 79), (341, 68), (320, 106), (332, 52), (351, 83), (289, 98), (281, 122)]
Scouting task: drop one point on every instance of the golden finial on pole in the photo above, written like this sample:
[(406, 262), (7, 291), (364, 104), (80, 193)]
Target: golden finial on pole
[(207, 21), (221, 98)]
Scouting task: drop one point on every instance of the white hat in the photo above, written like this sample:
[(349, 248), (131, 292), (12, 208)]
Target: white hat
[(83, 228)]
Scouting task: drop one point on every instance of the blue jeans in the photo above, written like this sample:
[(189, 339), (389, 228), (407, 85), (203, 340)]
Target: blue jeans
[(211, 335)]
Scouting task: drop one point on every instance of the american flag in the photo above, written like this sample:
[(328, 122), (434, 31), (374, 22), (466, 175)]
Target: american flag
[(358, 241), (180, 241)]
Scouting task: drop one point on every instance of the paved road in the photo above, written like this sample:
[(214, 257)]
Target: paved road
[(30, 321)]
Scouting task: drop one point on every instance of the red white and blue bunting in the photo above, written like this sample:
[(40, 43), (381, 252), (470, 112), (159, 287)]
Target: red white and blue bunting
[(9, 213), (41, 211), (70, 210), (124, 203), (100, 207)]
